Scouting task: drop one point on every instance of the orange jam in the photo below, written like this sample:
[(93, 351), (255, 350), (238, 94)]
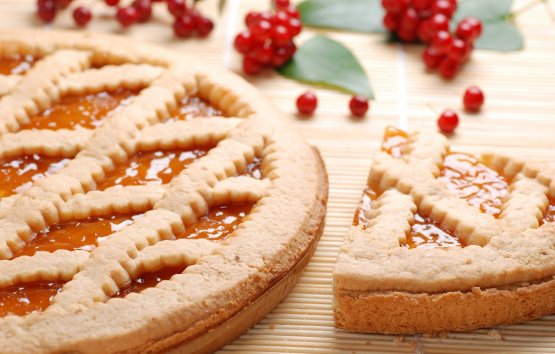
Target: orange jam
[(16, 65), (17, 175), (473, 181), (549, 213), (21, 299), (82, 235), (149, 280), (156, 167), (426, 234), (218, 223), (253, 168), (85, 111), (394, 141), (364, 206), (193, 107)]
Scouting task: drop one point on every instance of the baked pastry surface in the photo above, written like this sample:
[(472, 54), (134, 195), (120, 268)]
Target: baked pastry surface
[(444, 241), (248, 155)]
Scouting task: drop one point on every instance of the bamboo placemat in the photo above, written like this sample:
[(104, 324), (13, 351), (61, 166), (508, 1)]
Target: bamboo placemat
[(519, 118)]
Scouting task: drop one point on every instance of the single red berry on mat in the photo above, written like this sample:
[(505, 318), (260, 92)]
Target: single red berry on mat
[(82, 16), (473, 99), (204, 26), (184, 26), (431, 58), (251, 66), (126, 16), (307, 103), (46, 10), (448, 68), (177, 7), (243, 42), (112, 2), (448, 121), (359, 106)]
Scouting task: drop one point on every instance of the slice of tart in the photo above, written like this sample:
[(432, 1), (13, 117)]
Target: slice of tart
[(446, 241), (147, 202)]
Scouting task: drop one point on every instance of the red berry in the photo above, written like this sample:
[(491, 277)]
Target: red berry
[(359, 106), (465, 31), (409, 20), (448, 121), (423, 31), (251, 66), (112, 2), (292, 11), (407, 35), (280, 18), (421, 5), (144, 8), (252, 17), (307, 103), (390, 22), (82, 16), (280, 4), (46, 10), (127, 16), (294, 25), (448, 68), (442, 42), (432, 58), (395, 6), (283, 54), (262, 53), (438, 22), (261, 30), (204, 26), (243, 42), (444, 7), (177, 7), (476, 25), (473, 98), (280, 35), (184, 26), (458, 50)]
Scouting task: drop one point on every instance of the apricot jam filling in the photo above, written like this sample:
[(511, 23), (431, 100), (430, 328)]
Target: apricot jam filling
[(149, 280), (254, 169), (22, 299), (394, 141), (156, 167), (219, 223), (16, 65), (82, 235), (549, 213), (364, 206), (193, 107), (84, 111), (18, 174)]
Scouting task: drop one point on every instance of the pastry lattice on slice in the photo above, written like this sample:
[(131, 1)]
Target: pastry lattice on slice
[(445, 241)]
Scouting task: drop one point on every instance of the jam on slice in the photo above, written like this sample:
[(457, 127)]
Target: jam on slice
[(16, 65), (82, 235), (219, 223), (364, 206), (18, 174), (24, 298), (194, 107), (394, 141), (473, 181), (426, 234), (149, 280), (155, 167), (85, 111), (549, 213), (253, 168)]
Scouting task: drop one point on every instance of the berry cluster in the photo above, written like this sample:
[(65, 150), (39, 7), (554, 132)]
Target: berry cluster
[(268, 39), (188, 20), (428, 21)]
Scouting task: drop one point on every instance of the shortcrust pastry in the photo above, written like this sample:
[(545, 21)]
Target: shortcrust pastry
[(445, 241), (147, 201)]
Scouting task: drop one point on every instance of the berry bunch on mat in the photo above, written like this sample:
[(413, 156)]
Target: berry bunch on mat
[(428, 21), (268, 39), (188, 21)]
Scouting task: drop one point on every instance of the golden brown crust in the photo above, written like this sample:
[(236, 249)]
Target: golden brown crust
[(220, 278), (406, 313)]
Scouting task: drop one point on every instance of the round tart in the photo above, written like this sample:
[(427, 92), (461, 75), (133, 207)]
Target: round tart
[(445, 241), (148, 202)]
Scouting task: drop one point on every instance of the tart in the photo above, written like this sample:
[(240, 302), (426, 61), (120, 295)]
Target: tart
[(446, 241), (149, 202)]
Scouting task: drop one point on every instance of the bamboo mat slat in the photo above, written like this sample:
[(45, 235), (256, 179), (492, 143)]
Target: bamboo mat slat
[(519, 118)]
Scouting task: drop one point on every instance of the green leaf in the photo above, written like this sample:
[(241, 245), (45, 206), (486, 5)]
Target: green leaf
[(351, 15), (499, 33), (325, 62)]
